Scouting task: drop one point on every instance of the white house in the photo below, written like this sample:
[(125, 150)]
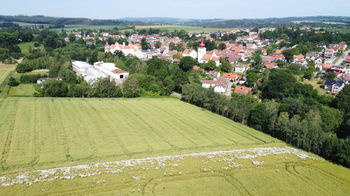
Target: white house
[(220, 85), (191, 53), (240, 68)]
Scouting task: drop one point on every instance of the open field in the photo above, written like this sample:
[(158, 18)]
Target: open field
[(22, 90), (27, 45), (316, 86), (189, 29), (91, 27), (5, 70), (55, 146), (340, 30)]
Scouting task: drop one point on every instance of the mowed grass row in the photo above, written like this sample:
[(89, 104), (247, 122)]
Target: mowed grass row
[(5, 70), (48, 132)]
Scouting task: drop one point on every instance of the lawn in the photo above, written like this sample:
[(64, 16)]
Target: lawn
[(27, 45), (189, 29), (316, 86), (23, 90), (148, 146)]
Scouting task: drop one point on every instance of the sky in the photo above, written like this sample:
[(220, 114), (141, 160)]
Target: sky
[(191, 9)]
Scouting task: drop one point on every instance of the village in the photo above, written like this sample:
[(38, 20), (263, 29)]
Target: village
[(238, 53)]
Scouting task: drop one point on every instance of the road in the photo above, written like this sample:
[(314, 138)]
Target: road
[(343, 57)]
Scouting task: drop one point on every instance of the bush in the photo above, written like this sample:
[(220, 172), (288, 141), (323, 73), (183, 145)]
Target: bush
[(30, 78), (12, 82)]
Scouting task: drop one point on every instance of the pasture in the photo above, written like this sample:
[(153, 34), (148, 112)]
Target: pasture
[(144, 146), (190, 29)]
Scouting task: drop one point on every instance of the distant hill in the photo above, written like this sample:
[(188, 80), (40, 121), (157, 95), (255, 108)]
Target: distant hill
[(313, 21), (39, 19), (170, 21)]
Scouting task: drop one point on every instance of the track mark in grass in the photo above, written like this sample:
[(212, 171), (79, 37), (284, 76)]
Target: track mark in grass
[(143, 164), (9, 136)]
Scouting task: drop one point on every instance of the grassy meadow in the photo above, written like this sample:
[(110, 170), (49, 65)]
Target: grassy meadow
[(25, 47), (145, 146)]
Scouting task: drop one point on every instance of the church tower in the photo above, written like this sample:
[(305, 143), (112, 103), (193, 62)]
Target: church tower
[(202, 50)]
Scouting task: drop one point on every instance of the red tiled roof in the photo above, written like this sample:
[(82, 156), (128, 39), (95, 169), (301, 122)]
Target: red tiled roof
[(243, 90)]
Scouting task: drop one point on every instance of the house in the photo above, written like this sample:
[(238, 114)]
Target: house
[(334, 86), (191, 53), (230, 76), (240, 68), (243, 90), (42, 80), (271, 66), (347, 60), (346, 79), (299, 59), (220, 85), (130, 49)]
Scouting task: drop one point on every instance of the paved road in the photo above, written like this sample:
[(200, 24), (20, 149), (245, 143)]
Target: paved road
[(343, 57)]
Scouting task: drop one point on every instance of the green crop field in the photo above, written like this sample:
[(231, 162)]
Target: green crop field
[(144, 146), (186, 28)]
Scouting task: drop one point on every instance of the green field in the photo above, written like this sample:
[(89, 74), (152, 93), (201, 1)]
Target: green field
[(189, 29), (5, 70), (27, 45), (22, 90), (340, 30), (100, 146), (90, 27)]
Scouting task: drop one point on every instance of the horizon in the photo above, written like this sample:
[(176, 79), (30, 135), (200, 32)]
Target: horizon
[(204, 9), (179, 18)]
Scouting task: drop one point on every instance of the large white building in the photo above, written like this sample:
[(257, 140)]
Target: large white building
[(130, 49), (91, 73)]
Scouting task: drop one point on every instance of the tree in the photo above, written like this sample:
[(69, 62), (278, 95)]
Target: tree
[(222, 46), (53, 88), (105, 88), (72, 37), (259, 118), (289, 55), (131, 88), (172, 46), (225, 66), (257, 60), (144, 44), (158, 44), (342, 100), (210, 66), (280, 84), (12, 81), (186, 63), (330, 76)]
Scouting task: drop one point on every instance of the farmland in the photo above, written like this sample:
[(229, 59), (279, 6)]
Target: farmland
[(148, 147), (90, 27), (5, 70), (189, 29)]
